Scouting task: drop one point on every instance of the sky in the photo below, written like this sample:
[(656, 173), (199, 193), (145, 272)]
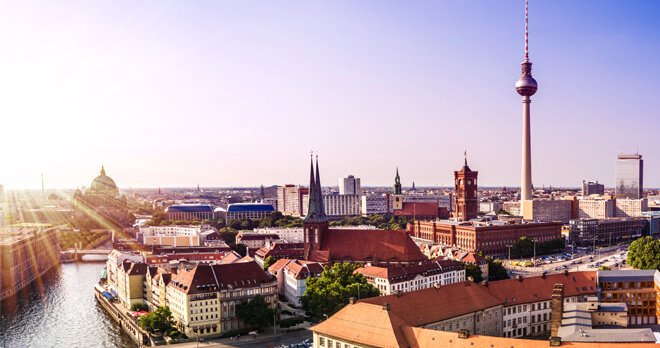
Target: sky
[(237, 93)]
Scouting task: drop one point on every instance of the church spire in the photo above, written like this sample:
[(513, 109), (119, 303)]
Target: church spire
[(397, 183), (102, 169), (315, 212)]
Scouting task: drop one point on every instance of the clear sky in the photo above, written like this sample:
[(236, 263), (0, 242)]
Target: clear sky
[(237, 93)]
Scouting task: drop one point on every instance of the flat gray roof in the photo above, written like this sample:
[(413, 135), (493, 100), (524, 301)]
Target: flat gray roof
[(626, 276)]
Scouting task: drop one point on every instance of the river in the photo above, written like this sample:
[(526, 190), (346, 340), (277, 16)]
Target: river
[(60, 310)]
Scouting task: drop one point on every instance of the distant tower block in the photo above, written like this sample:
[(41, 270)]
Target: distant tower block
[(526, 87)]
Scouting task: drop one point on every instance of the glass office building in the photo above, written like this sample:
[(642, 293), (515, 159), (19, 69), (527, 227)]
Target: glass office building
[(629, 176)]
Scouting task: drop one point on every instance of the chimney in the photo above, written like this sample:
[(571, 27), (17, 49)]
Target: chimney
[(485, 283), (470, 279), (555, 341), (351, 300), (386, 306), (519, 278), (399, 293), (565, 272), (557, 309), (543, 275), (463, 333), (437, 285)]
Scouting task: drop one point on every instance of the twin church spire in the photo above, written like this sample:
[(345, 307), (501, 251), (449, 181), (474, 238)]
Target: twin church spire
[(316, 211)]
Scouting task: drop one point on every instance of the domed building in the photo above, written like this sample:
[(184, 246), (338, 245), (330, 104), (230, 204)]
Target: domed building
[(103, 192)]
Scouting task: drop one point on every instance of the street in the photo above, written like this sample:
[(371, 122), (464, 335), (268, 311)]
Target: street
[(601, 254)]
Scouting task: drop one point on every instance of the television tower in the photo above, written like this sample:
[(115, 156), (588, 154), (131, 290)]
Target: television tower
[(526, 87)]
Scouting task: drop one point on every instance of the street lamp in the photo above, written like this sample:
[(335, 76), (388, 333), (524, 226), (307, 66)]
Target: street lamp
[(509, 246), (196, 335), (326, 316)]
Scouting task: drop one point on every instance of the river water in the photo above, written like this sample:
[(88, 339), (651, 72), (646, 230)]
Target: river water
[(60, 310)]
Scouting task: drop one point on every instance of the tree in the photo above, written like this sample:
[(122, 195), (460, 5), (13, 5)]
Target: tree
[(523, 247), (269, 261), (330, 293), (604, 268), (644, 253), (474, 271), (496, 270), (239, 248), (160, 320), (255, 312)]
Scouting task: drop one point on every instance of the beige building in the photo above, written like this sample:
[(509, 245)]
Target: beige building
[(547, 210), (130, 278), (595, 208), (342, 205), (626, 207), (409, 278), (203, 300), (512, 208)]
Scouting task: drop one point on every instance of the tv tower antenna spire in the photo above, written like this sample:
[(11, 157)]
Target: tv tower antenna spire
[(526, 34)]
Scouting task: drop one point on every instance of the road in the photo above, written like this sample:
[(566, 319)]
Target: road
[(266, 341), (601, 254)]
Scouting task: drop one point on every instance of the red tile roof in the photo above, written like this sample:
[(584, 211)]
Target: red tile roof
[(211, 278), (406, 273), (533, 289), (303, 270), (368, 245), (367, 323), (430, 305)]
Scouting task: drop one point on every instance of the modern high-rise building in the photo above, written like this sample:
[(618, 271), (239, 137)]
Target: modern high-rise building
[(291, 200), (349, 185), (526, 86), (592, 188), (629, 176)]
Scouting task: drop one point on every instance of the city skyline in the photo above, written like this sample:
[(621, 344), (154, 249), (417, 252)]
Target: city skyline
[(236, 94)]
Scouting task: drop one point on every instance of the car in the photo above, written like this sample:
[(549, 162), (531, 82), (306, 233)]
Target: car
[(556, 269), (544, 272), (616, 265), (573, 262), (564, 266), (579, 262)]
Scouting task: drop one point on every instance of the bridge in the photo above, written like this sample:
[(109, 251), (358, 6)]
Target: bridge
[(76, 255)]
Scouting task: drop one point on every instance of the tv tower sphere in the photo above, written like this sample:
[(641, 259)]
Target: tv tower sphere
[(526, 85)]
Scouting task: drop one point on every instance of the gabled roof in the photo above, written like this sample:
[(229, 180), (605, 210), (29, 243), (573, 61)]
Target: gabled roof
[(367, 324), (302, 269), (206, 278), (369, 245), (278, 265), (533, 289), (405, 273), (430, 305)]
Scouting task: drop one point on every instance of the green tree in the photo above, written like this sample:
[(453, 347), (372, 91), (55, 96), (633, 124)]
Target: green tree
[(474, 271), (604, 268), (255, 312), (644, 253), (239, 248), (496, 270), (160, 320), (330, 292), (269, 261), (523, 247)]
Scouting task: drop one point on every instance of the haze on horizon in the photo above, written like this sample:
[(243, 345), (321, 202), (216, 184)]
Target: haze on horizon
[(228, 94)]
